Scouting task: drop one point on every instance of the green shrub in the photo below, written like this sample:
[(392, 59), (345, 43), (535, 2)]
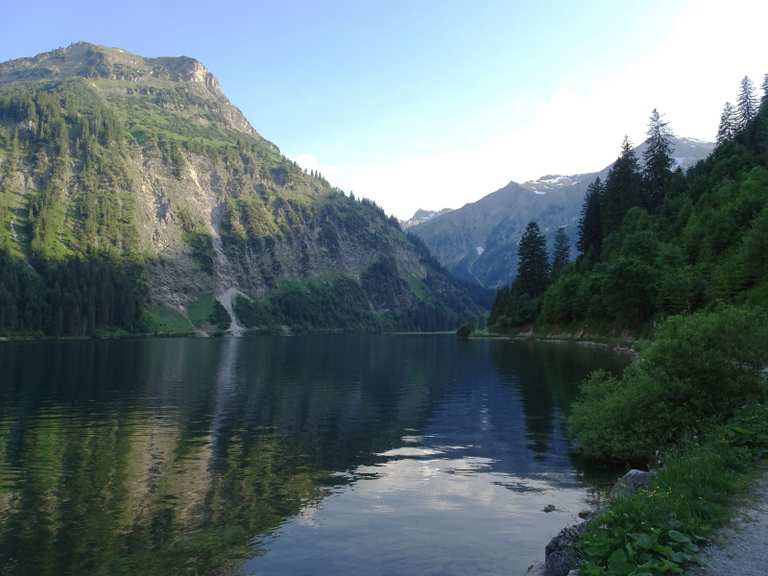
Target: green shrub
[(659, 530), (207, 311), (464, 331), (699, 369), (254, 313), (512, 308)]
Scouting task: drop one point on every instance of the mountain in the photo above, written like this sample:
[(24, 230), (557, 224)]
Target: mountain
[(478, 242), (135, 196), (421, 216)]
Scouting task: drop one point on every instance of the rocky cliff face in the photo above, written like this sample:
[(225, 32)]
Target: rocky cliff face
[(106, 152)]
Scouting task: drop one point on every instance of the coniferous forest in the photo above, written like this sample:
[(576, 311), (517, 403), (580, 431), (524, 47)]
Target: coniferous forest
[(654, 241), (60, 290)]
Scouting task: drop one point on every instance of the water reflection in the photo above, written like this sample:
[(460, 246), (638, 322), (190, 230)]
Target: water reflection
[(408, 455)]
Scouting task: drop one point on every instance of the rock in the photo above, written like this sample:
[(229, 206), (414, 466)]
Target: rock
[(538, 569), (549, 508), (574, 573), (631, 482), (561, 556), (584, 514)]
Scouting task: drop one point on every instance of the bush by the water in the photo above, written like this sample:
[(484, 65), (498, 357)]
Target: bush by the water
[(465, 331), (697, 371), (692, 403), (660, 529)]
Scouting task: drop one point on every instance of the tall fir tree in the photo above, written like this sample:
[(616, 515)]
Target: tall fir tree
[(764, 99), (746, 103), (657, 160), (623, 189), (728, 121), (561, 253), (532, 262), (590, 239)]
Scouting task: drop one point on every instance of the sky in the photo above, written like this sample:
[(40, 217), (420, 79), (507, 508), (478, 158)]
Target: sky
[(433, 104)]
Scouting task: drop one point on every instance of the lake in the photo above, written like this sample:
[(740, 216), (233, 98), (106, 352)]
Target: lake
[(341, 454)]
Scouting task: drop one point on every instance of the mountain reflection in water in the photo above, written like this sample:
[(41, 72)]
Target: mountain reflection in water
[(272, 455)]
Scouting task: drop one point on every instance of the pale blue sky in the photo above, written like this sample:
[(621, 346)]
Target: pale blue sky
[(414, 103)]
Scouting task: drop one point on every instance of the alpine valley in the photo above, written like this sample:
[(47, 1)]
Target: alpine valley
[(478, 242), (135, 197)]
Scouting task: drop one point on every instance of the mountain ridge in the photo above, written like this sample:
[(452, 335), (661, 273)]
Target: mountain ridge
[(478, 242)]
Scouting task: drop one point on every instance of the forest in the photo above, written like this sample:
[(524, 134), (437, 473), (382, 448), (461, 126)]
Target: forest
[(654, 241), (75, 282)]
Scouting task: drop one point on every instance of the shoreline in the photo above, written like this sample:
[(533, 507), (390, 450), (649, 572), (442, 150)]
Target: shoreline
[(620, 345), (279, 331), (624, 345)]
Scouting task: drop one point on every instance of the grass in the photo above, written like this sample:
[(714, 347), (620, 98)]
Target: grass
[(163, 319), (206, 311), (199, 311)]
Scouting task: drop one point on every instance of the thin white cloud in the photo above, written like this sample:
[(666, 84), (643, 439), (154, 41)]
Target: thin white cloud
[(688, 76)]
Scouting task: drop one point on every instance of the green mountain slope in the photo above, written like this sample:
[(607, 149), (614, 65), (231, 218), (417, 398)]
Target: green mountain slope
[(134, 195)]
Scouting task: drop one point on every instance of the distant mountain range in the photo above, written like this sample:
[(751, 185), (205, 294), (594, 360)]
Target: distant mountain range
[(478, 242)]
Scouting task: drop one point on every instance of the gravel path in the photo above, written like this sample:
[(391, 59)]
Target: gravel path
[(741, 549)]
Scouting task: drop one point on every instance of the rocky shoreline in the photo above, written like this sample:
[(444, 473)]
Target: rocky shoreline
[(561, 557)]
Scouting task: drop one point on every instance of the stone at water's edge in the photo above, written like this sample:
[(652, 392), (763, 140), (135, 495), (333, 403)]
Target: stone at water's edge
[(561, 556), (631, 482)]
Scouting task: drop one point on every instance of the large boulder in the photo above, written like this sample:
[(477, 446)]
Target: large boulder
[(631, 482)]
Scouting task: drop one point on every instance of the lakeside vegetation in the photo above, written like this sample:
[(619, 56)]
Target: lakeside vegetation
[(682, 259), (693, 406)]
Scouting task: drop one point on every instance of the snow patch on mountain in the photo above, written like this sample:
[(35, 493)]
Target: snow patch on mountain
[(421, 216)]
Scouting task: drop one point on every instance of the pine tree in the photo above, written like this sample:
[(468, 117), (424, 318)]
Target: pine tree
[(747, 103), (623, 189), (590, 223), (561, 254), (764, 99), (727, 129), (532, 262), (657, 159)]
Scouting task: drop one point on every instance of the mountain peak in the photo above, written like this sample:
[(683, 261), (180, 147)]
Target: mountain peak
[(119, 74), (421, 216), (88, 60)]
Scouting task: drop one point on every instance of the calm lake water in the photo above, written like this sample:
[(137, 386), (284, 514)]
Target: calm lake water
[(342, 455)]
